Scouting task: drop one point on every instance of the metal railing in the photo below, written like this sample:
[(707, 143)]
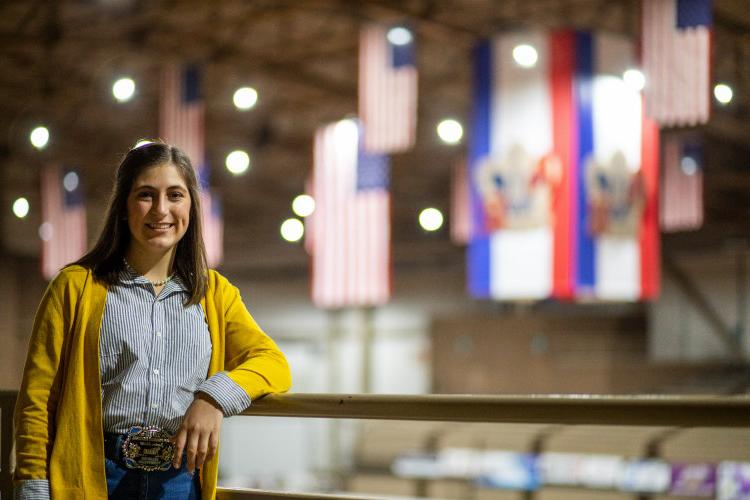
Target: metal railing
[(7, 403), (672, 411)]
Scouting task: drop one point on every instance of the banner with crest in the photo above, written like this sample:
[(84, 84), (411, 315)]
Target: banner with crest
[(563, 171)]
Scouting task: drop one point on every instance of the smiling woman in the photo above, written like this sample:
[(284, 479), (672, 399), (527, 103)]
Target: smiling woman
[(139, 351)]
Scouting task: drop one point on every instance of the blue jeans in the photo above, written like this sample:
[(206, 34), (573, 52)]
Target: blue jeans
[(133, 484)]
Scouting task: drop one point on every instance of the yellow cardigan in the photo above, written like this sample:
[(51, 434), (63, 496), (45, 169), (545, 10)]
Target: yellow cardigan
[(58, 418)]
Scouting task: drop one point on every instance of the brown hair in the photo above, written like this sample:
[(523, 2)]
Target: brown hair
[(107, 258)]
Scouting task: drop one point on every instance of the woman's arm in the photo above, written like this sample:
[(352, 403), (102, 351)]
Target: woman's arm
[(38, 396)]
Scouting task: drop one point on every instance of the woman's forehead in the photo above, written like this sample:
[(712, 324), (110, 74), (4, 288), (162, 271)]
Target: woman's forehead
[(161, 175)]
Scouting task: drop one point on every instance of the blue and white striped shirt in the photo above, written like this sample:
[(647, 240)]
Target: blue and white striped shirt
[(154, 356)]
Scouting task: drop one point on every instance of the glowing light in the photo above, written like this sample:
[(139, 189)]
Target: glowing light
[(245, 98), (450, 131), (688, 165), (723, 93), (21, 208), (399, 36), (123, 89), (635, 79), (70, 181), (346, 132), (431, 219), (238, 162), (303, 205), (292, 230), (525, 55), (39, 137)]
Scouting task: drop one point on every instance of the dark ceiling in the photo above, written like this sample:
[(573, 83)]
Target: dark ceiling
[(59, 59)]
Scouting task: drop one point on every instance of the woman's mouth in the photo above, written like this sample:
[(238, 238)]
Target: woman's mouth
[(159, 226)]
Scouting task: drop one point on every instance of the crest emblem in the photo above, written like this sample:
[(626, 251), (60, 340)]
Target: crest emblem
[(615, 197), (517, 189)]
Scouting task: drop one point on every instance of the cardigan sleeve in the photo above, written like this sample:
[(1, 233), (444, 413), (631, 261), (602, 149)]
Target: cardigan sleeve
[(252, 359), (40, 387)]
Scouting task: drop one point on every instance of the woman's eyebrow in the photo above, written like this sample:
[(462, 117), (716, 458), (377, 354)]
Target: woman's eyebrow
[(148, 186)]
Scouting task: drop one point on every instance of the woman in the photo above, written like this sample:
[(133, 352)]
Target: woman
[(138, 352)]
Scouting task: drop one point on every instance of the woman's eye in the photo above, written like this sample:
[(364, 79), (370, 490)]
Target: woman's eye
[(145, 195), (176, 195)]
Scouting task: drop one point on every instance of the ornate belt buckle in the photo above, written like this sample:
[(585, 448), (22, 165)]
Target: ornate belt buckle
[(147, 449)]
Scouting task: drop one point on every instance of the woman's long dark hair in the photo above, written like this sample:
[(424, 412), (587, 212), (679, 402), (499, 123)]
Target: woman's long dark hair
[(107, 258)]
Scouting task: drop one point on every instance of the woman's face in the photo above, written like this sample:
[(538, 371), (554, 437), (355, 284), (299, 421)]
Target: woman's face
[(158, 210)]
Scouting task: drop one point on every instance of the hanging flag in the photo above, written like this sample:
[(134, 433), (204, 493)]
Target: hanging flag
[(676, 45), (181, 123), (387, 89), (617, 173), (351, 223), (562, 171), (518, 170), (682, 185), (309, 231), (213, 227), (63, 229), (461, 221)]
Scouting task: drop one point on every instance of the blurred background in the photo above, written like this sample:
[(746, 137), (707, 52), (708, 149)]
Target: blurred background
[(511, 197)]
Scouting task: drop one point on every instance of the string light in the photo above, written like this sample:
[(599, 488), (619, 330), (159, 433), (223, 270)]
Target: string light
[(238, 162)]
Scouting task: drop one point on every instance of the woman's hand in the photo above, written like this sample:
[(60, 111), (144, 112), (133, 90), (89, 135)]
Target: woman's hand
[(198, 435)]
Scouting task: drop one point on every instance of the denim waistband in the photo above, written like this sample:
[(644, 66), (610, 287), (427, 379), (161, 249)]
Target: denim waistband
[(113, 445)]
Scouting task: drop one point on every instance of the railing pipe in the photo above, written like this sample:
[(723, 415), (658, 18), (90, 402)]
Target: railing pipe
[(678, 411)]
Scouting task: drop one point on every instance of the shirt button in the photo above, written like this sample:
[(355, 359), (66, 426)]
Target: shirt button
[(154, 406), (156, 371), (158, 334)]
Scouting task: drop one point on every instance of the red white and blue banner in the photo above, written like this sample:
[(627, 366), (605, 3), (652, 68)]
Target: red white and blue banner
[(387, 89), (564, 172), (351, 240), (63, 228), (676, 45), (182, 124)]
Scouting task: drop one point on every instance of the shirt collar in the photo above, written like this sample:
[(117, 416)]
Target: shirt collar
[(129, 276)]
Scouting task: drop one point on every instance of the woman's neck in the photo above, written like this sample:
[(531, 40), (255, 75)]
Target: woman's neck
[(154, 267)]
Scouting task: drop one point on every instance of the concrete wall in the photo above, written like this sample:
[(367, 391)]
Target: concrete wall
[(678, 332)]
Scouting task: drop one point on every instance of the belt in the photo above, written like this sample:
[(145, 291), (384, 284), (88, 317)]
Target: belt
[(143, 448)]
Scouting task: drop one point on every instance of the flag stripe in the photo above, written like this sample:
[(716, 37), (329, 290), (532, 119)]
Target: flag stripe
[(478, 255), (585, 270), (650, 245), (561, 49)]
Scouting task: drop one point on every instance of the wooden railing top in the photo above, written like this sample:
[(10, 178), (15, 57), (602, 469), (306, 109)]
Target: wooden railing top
[(651, 410)]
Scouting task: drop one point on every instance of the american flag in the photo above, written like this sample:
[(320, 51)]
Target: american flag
[(387, 91), (182, 124), (63, 229), (462, 224), (351, 228), (676, 44), (682, 185), (309, 231)]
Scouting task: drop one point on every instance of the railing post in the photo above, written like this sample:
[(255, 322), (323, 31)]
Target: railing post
[(7, 403)]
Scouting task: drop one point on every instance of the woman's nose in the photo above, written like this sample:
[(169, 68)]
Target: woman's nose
[(160, 205)]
